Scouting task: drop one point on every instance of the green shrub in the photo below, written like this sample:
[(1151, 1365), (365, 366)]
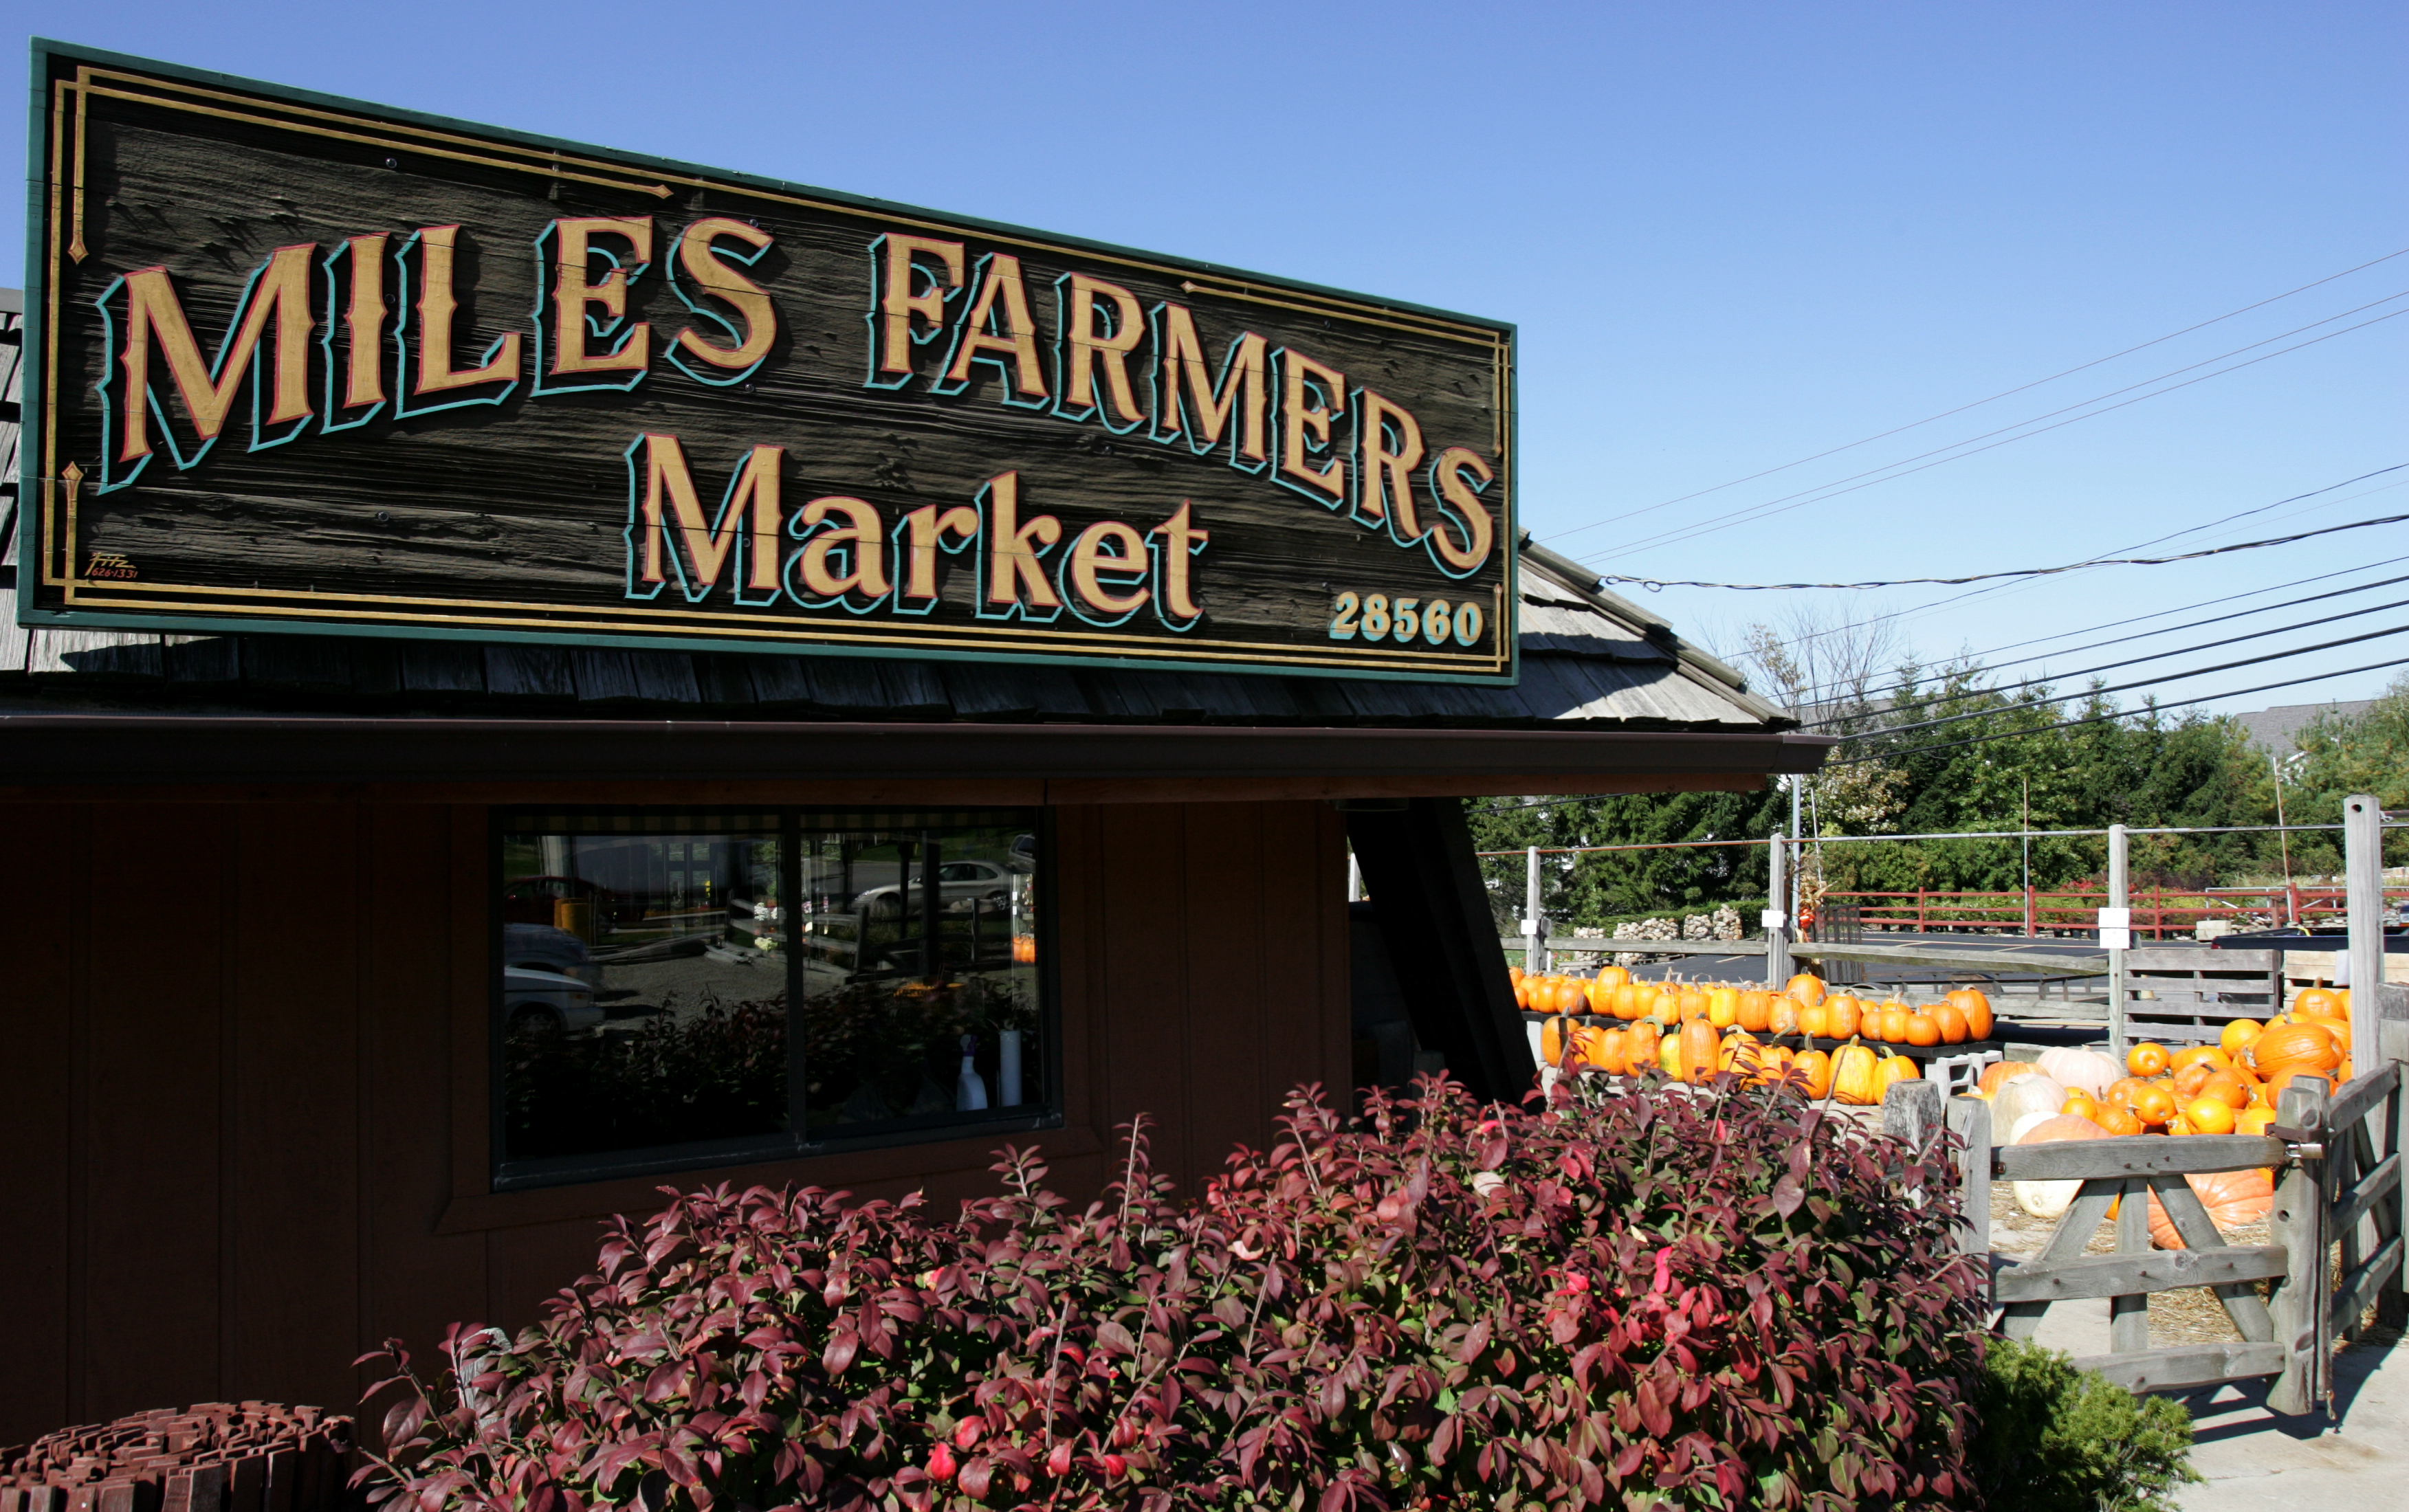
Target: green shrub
[(2058, 1439)]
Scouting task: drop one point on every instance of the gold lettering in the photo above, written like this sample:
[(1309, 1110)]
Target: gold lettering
[(438, 249), (571, 255), (899, 306), (861, 536), (153, 314), (1091, 556), (1000, 286)]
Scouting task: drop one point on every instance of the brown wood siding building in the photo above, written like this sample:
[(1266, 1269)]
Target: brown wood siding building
[(246, 1136)]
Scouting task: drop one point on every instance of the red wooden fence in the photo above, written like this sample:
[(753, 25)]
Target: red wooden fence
[(2159, 912)]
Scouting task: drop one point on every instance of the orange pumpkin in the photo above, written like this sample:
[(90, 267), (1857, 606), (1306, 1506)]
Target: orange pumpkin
[(1723, 1007), (1694, 1005), (2190, 1079), (1614, 976), (1812, 1070), (1700, 1045), (2146, 1060), (1894, 1023), (1900, 1069), (1782, 1018), (1555, 1037), (1665, 1007), (1921, 1028), (1624, 1003), (1814, 1021), (1951, 1021), (1640, 1047), (1773, 1062), (2229, 1087), (1856, 1075), (2153, 1105), (1841, 1015), (1977, 1009), (1589, 1044), (2253, 1119), (2295, 1049), (1613, 1045), (2239, 1034), (1999, 1072), (2232, 1198), (2338, 1028), (2080, 1105), (2211, 1056), (2324, 1000), (2117, 1120), (1756, 1012), (2209, 1114), (1806, 986)]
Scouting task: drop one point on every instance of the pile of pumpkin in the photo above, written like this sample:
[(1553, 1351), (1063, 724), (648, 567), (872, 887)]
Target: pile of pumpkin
[(2224, 1088), (1801, 1007), (1691, 1030)]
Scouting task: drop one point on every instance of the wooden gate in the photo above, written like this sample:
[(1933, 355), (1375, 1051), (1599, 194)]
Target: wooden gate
[(2338, 1187)]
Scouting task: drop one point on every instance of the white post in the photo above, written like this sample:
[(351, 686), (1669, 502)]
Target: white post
[(2362, 849), (1354, 877), (1777, 917), (2116, 933), (1534, 928)]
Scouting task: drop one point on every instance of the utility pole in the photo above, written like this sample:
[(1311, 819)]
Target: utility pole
[(2362, 870), (1777, 918), (2117, 935), (1534, 928), (2283, 834), (2027, 840)]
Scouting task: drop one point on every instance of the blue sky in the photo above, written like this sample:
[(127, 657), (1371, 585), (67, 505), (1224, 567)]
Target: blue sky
[(1732, 236)]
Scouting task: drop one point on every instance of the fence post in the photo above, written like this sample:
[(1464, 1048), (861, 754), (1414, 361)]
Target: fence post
[(2028, 912), (2362, 843), (2297, 1222), (1969, 1118), (2119, 896), (1776, 900)]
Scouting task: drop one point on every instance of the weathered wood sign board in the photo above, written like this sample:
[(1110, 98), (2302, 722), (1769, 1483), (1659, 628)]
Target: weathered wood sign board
[(304, 364)]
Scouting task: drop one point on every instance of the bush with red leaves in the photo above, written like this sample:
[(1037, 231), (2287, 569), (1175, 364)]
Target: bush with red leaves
[(1629, 1296)]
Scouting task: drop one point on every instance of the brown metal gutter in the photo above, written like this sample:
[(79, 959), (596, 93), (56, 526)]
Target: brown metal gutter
[(46, 751)]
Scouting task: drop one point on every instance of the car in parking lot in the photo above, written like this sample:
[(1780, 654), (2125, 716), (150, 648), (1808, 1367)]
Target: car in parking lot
[(541, 1002), (957, 883)]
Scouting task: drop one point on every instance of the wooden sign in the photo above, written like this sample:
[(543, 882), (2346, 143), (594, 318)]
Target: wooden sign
[(302, 364)]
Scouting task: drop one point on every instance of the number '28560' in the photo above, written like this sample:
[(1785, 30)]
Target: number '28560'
[(1375, 616)]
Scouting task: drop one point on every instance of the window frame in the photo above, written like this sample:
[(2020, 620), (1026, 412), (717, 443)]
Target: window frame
[(796, 1142)]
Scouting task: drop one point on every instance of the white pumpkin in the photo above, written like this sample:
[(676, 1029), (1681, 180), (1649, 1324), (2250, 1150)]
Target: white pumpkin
[(2086, 1070), (2050, 1199), (2038, 1093)]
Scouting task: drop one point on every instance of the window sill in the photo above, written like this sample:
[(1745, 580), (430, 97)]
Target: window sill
[(482, 1212)]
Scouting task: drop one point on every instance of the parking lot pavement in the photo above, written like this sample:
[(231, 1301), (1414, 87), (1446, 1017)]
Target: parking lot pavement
[(2255, 1459)]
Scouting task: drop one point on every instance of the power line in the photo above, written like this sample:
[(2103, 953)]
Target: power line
[(2180, 650), (2193, 624), (2143, 682), (1979, 403), (2094, 719), (2113, 625), (2030, 571), (1784, 504)]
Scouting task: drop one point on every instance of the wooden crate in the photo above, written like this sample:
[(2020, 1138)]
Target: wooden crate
[(2193, 992)]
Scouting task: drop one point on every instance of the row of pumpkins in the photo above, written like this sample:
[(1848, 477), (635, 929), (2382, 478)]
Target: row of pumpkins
[(2223, 1088), (1801, 1007), (1691, 1032)]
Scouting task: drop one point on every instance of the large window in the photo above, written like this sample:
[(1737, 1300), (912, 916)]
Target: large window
[(680, 988)]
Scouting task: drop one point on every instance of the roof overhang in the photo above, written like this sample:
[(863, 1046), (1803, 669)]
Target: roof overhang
[(496, 760)]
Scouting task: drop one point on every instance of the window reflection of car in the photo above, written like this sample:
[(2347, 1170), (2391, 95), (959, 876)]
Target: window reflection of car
[(1023, 858), (957, 882), (540, 947), (541, 1002), (529, 899)]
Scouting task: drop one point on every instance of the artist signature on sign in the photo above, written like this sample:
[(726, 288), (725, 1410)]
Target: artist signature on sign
[(110, 565)]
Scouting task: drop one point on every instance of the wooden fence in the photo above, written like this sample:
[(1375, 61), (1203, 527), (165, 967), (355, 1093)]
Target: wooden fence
[(2338, 1189)]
